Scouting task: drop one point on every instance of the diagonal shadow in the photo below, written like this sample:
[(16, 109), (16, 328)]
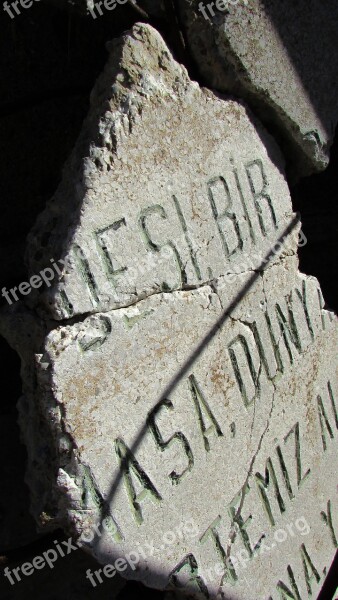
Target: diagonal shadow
[(299, 109), (298, 25), (195, 355)]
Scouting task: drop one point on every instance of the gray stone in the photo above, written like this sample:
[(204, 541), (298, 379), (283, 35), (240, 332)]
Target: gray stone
[(241, 446), (142, 207), (180, 389), (268, 52)]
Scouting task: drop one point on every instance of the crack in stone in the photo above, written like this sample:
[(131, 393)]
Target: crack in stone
[(232, 534), (213, 282), (82, 317)]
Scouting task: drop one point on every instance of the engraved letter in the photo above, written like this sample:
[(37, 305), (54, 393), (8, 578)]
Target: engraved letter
[(284, 472), (235, 510), (323, 419), (187, 238), (302, 296), (260, 194), (334, 408), (288, 328), (327, 518), (284, 592), (153, 247), (220, 218), (86, 274), (195, 583), (177, 437), (308, 567), (129, 463), (201, 407), (300, 478), (230, 573), (100, 236), (263, 483), (246, 212), (240, 339)]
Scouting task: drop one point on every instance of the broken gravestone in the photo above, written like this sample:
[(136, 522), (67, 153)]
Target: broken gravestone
[(180, 389), (267, 52)]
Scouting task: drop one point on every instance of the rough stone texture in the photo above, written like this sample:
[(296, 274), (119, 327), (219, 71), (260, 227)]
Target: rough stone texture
[(129, 218), (257, 415), (187, 402), (268, 52)]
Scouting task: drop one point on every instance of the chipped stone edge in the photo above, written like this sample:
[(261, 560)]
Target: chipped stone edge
[(113, 112), (230, 76)]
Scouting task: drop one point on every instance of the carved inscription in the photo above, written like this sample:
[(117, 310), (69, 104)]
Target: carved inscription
[(204, 413), (235, 203), (284, 472), (180, 364), (279, 323), (177, 437), (131, 468), (234, 420)]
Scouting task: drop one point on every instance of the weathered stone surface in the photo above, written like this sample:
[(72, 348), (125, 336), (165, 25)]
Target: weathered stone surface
[(211, 437), (143, 207), (187, 403), (268, 52), (101, 397)]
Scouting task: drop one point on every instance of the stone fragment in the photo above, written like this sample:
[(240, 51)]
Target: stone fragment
[(268, 53), (179, 468), (180, 382), (169, 187)]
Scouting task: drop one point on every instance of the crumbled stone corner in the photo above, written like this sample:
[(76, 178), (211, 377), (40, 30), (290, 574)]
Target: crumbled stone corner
[(117, 101)]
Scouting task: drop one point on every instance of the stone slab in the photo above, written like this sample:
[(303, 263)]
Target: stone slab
[(169, 187), (268, 52), (231, 458), (180, 384)]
